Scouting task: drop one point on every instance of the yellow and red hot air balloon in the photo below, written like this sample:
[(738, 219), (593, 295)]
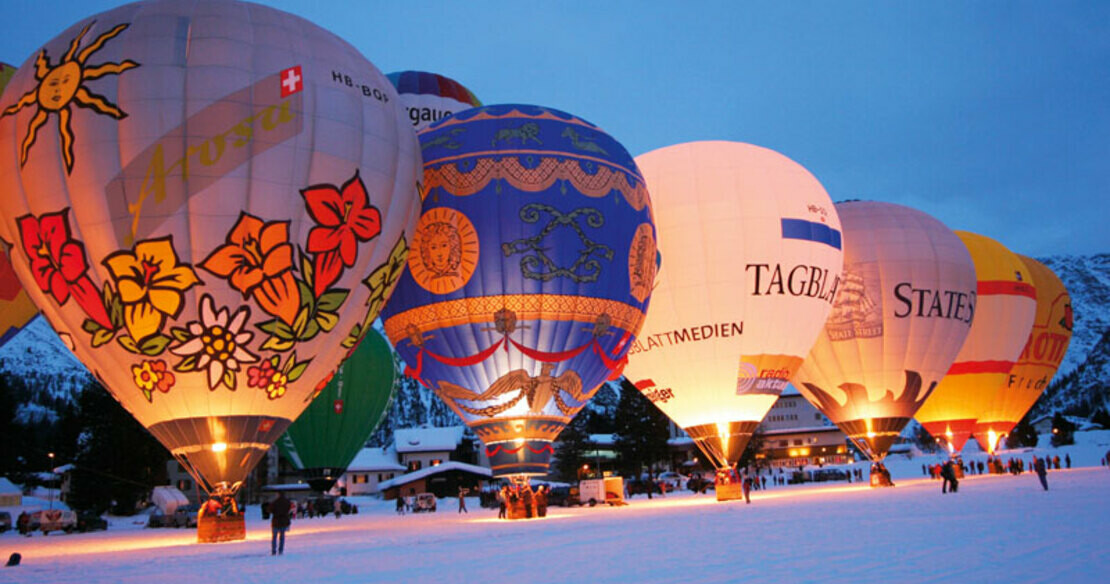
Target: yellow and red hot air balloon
[(1004, 309), (208, 211), (1044, 351), (903, 311), (751, 262)]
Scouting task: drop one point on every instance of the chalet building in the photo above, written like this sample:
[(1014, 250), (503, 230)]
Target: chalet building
[(442, 480), (370, 468), (796, 434)]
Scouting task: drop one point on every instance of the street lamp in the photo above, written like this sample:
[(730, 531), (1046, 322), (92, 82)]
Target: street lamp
[(50, 455)]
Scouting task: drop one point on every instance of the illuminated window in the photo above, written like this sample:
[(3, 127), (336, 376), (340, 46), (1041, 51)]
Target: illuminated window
[(436, 462), (414, 465)]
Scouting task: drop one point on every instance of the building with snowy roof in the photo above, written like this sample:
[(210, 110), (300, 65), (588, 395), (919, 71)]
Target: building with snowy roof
[(10, 495), (419, 448), (796, 434), (442, 480), (370, 468)]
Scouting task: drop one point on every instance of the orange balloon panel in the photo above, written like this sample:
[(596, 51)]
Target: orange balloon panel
[(1004, 310), (751, 260), (1044, 350), (16, 308), (902, 314)]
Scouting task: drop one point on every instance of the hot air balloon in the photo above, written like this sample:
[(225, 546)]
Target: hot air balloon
[(16, 308), (751, 261), (1004, 309), (210, 213), (430, 97), (326, 437), (1041, 357), (529, 276), (904, 308)]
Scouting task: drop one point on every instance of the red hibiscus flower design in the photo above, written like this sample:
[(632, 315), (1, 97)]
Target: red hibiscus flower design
[(344, 217), (58, 263)]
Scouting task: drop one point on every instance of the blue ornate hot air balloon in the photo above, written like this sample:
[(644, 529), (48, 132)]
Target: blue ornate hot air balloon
[(529, 274)]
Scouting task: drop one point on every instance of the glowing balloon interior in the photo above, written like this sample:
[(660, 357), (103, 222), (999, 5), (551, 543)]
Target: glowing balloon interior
[(751, 262), (429, 97), (1004, 309), (529, 275), (1044, 351), (209, 216), (904, 308)]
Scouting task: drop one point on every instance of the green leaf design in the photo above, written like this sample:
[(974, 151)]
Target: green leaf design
[(306, 270), (300, 322), (289, 364), (128, 343), (270, 326), (310, 330), (331, 300), (102, 336), (180, 335), (275, 361), (155, 345), (352, 337), (327, 320), (115, 308), (148, 395), (277, 344), (307, 299), (229, 379), (90, 326), (187, 364), (297, 370)]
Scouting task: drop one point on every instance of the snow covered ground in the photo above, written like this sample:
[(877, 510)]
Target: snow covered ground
[(997, 528)]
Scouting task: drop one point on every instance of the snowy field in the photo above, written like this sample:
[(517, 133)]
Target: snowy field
[(996, 529)]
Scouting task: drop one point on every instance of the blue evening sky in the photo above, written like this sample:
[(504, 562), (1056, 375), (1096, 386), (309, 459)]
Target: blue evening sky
[(991, 116)]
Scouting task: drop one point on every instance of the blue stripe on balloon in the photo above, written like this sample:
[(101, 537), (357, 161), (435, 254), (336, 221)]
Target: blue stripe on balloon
[(810, 231)]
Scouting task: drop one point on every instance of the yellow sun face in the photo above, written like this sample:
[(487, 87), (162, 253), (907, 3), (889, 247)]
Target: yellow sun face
[(62, 85), (59, 85)]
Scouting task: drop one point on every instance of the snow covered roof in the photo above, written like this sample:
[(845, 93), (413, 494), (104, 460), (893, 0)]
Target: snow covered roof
[(8, 488), (433, 470), (375, 459), (603, 439), (808, 430), (428, 439)]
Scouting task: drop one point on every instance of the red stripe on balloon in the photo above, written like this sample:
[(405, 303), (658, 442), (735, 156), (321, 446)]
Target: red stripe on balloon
[(980, 367), (1006, 288)]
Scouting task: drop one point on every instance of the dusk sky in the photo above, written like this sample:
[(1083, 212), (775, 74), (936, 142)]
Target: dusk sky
[(991, 116)]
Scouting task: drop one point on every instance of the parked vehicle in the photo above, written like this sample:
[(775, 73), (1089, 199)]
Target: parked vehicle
[(53, 520), (89, 521), (563, 497), (641, 487), (607, 490), (828, 474), (700, 484), (424, 502), (675, 481), (183, 516)]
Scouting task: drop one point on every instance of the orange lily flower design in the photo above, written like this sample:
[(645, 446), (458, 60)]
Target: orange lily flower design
[(258, 261), (151, 283)]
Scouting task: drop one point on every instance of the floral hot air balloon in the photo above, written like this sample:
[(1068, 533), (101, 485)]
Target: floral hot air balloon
[(1044, 351), (529, 276), (1004, 309), (751, 261), (430, 97), (16, 308), (904, 308), (326, 437), (208, 212)]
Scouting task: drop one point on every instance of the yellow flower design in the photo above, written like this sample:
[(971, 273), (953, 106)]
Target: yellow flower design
[(151, 284), (145, 377), (276, 387)]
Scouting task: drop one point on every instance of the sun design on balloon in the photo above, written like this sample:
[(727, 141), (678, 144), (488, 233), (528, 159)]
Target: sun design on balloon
[(62, 85)]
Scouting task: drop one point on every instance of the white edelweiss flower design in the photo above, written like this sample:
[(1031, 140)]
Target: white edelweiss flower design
[(218, 344)]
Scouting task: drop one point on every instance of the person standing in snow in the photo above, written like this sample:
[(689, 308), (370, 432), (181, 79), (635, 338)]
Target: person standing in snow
[(1067, 460), (279, 523), (541, 501), (462, 500), (948, 474), (1042, 471), (747, 488)]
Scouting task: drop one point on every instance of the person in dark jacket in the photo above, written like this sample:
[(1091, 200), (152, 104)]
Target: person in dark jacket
[(1042, 472), (279, 523), (541, 501), (948, 473), (746, 487)]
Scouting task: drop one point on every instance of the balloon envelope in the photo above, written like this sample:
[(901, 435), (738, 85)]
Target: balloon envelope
[(529, 274), (751, 260), (328, 435), (1004, 309), (904, 308), (1044, 351), (430, 97), (210, 214), (16, 308)]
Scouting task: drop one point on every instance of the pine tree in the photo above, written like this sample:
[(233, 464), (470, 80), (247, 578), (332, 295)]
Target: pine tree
[(641, 433), (572, 445), (1023, 435)]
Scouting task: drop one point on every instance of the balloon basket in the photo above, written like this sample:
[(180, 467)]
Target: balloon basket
[(217, 528), (729, 492), (879, 479)]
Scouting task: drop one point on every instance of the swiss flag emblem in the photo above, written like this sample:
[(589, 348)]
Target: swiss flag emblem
[(265, 426), (338, 406), (291, 81)]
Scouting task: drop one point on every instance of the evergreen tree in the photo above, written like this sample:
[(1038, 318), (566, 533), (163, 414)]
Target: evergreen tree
[(641, 433), (751, 451), (572, 446), (11, 434), (601, 410), (1101, 418), (117, 461), (1063, 431), (1023, 435)]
